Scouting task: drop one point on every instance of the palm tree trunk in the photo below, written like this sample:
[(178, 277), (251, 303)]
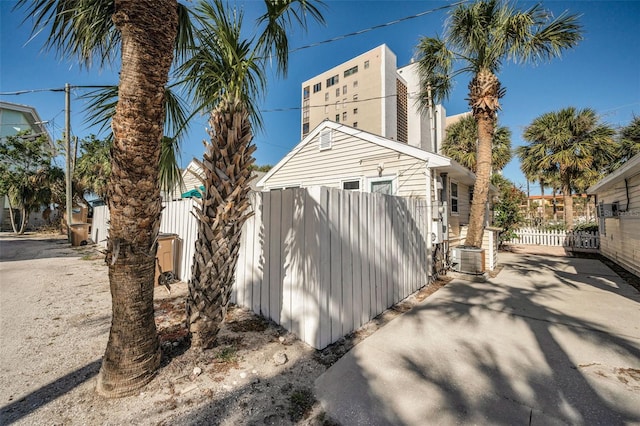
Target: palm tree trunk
[(568, 206), (224, 209), (12, 218), (24, 218), (132, 356), (484, 92)]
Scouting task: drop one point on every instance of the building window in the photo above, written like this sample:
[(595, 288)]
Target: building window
[(333, 80), (351, 71), (326, 96), (351, 185), (337, 104), (325, 139), (337, 92), (355, 111), (317, 87), (381, 185), (344, 101), (305, 93), (355, 124), (326, 109), (454, 198), (355, 84), (344, 116), (355, 97), (305, 128), (337, 118), (366, 65), (344, 89)]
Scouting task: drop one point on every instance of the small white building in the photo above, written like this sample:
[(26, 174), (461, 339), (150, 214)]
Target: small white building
[(618, 203), (340, 156)]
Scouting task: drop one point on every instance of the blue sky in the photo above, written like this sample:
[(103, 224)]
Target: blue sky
[(602, 73)]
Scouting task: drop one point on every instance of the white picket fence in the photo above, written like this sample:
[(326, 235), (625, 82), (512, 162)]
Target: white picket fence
[(577, 240), (320, 262)]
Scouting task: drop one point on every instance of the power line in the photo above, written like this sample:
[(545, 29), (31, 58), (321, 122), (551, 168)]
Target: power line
[(57, 89), (376, 27)]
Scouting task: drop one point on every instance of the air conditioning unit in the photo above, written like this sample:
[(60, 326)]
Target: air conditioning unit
[(467, 260), (608, 210)]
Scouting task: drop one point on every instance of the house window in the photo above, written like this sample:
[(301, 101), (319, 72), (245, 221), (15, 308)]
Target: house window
[(344, 116), (337, 118), (305, 128), (333, 80), (454, 198), (325, 139), (382, 186), (344, 89), (326, 96), (305, 93), (355, 124), (355, 97), (366, 65), (317, 87), (351, 185), (337, 92), (355, 111), (351, 71)]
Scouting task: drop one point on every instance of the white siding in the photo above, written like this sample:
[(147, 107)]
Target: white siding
[(350, 157), (620, 240)]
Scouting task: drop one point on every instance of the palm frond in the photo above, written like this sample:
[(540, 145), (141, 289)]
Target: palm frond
[(82, 28)]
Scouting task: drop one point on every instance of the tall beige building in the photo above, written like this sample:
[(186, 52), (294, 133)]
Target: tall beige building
[(371, 93)]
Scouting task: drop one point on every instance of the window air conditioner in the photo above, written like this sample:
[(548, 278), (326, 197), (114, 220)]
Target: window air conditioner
[(608, 210)]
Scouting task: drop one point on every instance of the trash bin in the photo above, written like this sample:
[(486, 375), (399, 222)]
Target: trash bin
[(79, 233), (166, 256)]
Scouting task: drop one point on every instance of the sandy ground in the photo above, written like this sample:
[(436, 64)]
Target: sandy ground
[(55, 312)]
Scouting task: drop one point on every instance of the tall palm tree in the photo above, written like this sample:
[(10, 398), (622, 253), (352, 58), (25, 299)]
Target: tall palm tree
[(480, 37), (145, 33), (227, 74), (461, 144), (572, 143)]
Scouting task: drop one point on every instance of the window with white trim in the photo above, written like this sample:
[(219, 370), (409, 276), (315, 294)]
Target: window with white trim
[(351, 185), (454, 197), (381, 185), (325, 139)]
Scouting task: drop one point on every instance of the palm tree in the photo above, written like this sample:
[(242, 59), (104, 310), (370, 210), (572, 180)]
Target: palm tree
[(481, 36), (227, 74), (462, 139), (629, 142), (574, 145), (145, 33)]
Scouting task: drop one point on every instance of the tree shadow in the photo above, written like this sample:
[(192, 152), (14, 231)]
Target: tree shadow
[(508, 351), (44, 395)]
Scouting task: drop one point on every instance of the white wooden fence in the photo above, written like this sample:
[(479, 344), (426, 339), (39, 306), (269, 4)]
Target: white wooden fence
[(322, 262), (577, 240)]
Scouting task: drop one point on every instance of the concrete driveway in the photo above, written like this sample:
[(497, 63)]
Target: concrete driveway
[(550, 340)]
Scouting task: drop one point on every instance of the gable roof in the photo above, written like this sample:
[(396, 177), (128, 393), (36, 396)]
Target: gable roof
[(627, 170), (432, 160)]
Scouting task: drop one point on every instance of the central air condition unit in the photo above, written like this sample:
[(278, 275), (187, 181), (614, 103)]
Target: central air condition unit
[(467, 260)]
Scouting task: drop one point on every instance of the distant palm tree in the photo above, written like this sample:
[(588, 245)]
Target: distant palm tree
[(227, 74), (145, 34), (629, 142), (572, 145), (461, 144), (482, 36)]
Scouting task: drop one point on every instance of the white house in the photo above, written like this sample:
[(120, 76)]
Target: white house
[(618, 201), (339, 156)]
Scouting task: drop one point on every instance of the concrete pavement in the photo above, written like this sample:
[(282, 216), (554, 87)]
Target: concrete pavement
[(550, 340)]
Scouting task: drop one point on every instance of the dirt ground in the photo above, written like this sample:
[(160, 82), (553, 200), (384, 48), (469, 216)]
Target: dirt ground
[(55, 312)]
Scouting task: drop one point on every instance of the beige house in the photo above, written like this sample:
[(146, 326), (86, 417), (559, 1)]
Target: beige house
[(618, 205), (340, 156)]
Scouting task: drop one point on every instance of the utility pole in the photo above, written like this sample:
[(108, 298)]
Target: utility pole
[(67, 140)]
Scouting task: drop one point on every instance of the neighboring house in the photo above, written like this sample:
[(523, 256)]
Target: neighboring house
[(16, 118), (340, 156), (618, 204), (192, 184)]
